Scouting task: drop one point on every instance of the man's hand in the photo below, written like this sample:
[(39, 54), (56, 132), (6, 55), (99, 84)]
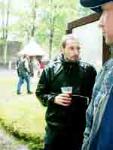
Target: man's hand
[(63, 99)]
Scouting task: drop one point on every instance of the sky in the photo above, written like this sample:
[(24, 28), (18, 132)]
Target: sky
[(18, 4)]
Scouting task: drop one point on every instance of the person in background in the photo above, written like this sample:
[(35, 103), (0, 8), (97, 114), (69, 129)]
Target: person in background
[(65, 115), (31, 66), (41, 66), (98, 133), (23, 71)]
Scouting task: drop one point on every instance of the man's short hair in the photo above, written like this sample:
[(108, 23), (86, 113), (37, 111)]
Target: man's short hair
[(66, 38), (94, 4)]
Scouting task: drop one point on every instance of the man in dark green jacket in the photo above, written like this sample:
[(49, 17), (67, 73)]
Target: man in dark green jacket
[(65, 116)]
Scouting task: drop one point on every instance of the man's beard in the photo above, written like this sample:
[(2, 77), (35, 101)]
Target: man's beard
[(69, 60)]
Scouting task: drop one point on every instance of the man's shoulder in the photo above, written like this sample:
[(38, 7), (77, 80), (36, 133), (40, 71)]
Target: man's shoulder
[(53, 63), (86, 65), (108, 64)]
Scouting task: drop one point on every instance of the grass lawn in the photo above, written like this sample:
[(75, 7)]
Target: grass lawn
[(20, 114)]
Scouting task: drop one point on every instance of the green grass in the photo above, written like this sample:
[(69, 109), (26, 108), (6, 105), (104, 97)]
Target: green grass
[(22, 115)]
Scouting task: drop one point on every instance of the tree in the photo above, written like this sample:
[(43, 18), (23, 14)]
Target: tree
[(5, 12), (56, 15), (46, 20)]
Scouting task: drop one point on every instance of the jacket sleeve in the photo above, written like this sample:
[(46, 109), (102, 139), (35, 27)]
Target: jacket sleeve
[(89, 113), (88, 82), (91, 76), (89, 120), (43, 89)]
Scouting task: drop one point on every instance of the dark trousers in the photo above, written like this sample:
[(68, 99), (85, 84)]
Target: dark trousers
[(25, 78), (65, 142)]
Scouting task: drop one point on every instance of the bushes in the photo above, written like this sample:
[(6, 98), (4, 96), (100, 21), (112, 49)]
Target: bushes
[(34, 142), (22, 116)]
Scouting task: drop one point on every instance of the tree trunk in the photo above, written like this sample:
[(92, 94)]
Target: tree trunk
[(6, 32)]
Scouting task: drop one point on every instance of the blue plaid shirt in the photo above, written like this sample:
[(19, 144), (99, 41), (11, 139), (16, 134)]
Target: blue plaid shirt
[(98, 110)]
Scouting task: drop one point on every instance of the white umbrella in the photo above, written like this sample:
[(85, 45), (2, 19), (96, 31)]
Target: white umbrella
[(32, 49)]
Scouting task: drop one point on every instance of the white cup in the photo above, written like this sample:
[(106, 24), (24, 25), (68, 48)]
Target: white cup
[(66, 89)]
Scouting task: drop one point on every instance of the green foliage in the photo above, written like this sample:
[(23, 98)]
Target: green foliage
[(46, 17), (57, 15), (33, 142), (2, 42), (49, 14), (22, 116)]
